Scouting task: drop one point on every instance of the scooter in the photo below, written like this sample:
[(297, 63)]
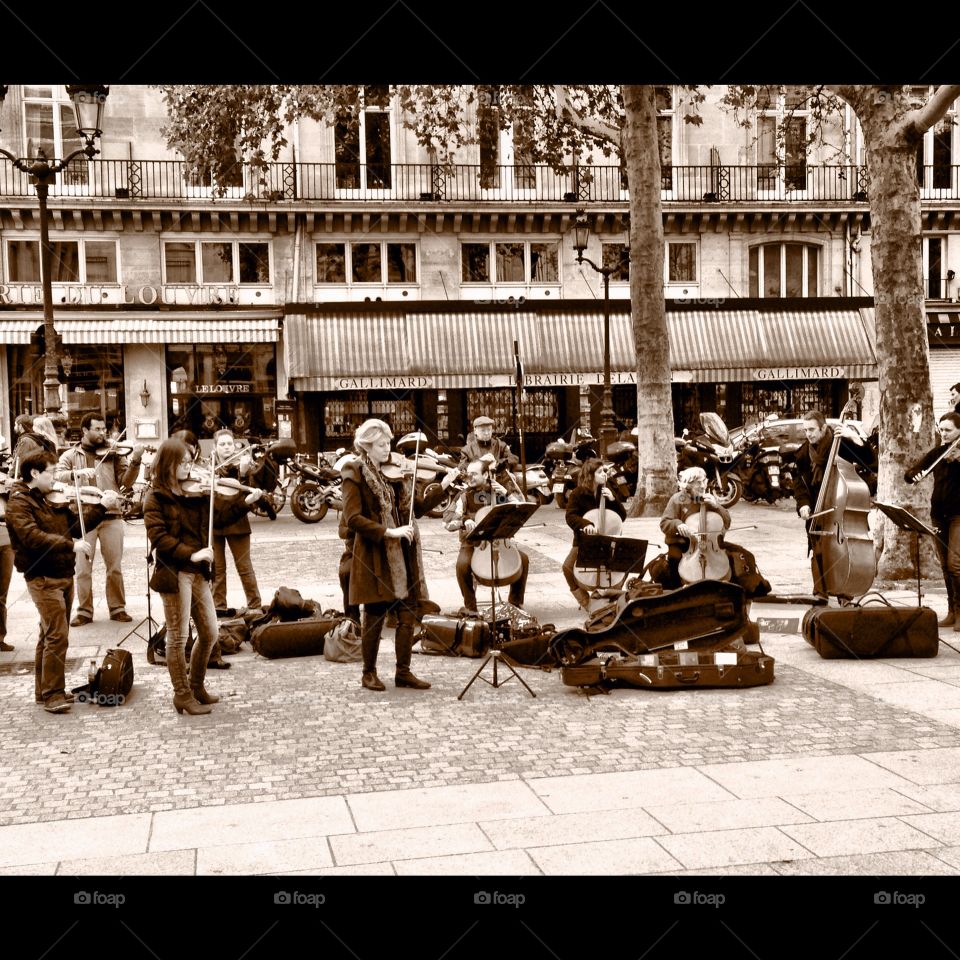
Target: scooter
[(538, 483)]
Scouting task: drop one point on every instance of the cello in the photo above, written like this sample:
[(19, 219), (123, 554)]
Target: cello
[(607, 524), (503, 560), (705, 559), (844, 561)]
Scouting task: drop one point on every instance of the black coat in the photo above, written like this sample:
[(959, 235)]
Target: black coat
[(582, 501), (177, 527), (42, 534), (240, 525), (945, 495)]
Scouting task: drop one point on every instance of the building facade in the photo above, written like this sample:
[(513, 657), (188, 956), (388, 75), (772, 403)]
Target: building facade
[(356, 278)]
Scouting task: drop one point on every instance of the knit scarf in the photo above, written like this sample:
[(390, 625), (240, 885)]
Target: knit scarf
[(396, 561)]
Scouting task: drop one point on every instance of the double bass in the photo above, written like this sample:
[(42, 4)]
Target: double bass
[(705, 558), (844, 562)]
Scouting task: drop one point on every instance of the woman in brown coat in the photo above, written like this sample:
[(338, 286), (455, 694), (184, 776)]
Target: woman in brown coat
[(386, 568)]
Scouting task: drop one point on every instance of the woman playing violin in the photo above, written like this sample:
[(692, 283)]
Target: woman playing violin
[(178, 528), (386, 567), (591, 486)]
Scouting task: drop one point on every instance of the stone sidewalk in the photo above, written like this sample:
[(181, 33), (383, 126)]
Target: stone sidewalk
[(837, 767)]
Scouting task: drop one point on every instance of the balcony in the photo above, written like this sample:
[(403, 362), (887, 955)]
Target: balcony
[(473, 184)]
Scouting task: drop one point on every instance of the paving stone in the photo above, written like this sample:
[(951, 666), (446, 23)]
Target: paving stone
[(178, 862), (728, 847), (856, 804), (936, 765), (570, 827), (626, 856), (848, 837), (415, 843), (73, 839), (264, 857), (499, 863), (899, 863), (726, 814)]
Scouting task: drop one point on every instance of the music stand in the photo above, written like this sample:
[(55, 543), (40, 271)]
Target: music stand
[(502, 522), (614, 554), (907, 521), (151, 624)]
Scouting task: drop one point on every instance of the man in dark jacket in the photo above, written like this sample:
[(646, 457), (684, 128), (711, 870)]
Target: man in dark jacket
[(945, 508), (43, 536), (482, 442)]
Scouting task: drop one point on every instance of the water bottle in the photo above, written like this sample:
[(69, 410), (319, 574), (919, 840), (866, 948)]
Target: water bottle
[(92, 672)]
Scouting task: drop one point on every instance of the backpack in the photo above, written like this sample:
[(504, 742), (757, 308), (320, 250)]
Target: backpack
[(112, 683)]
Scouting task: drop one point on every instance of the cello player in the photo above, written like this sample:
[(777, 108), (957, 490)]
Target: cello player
[(462, 516), (945, 509), (591, 486)]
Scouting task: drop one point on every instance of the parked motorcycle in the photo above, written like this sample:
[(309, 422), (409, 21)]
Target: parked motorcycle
[(268, 459), (538, 483), (719, 458), (760, 467), (622, 480), (318, 488), (562, 470)]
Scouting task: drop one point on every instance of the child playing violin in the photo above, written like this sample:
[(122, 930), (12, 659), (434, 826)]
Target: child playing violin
[(43, 535), (462, 516), (178, 529), (591, 486)]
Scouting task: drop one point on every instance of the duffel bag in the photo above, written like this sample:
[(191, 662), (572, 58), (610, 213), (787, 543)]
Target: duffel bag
[(231, 633), (301, 638), (867, 633)]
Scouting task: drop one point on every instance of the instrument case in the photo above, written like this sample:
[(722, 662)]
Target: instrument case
[(706, 615), (453, 636), (297, 638), (865, 633)]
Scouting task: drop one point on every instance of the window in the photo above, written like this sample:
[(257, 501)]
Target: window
[(72, 261), (514, 142), (517, 261), (938, 280), (362, 149), (367, 262), (935, 171), (616, 255), (681, 263), (50, 123), (220, 262), (782, 142), (664, 97), (784, 270)]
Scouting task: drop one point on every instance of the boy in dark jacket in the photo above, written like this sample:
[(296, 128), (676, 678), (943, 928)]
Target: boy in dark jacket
[(43, 536)]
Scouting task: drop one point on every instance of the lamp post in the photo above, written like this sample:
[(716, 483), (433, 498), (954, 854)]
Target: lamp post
[(88, 100), (581, 235)]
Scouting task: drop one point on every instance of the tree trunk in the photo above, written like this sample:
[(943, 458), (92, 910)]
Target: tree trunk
[(907, 428), (657, 479)]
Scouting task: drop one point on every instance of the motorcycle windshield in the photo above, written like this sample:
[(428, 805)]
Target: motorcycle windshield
[(715, 429)]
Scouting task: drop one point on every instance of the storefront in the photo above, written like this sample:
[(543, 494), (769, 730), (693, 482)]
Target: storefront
[(441, 364), (943, 333)]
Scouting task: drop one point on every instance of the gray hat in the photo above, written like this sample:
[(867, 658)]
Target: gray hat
[(482, 422)]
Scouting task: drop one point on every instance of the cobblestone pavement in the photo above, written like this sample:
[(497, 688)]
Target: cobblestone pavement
[(305, 728)]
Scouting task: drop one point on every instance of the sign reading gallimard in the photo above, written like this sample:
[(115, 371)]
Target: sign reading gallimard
[(800, 373)]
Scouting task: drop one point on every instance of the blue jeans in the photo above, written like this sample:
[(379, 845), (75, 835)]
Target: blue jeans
[(194, 599), (239, 544), (53, 598), (109, 534)]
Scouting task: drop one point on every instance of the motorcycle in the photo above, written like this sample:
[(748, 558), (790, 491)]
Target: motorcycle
[(716, 455), (538, 483), (760, 467), (268, 459), (318, 487), (562, 470)]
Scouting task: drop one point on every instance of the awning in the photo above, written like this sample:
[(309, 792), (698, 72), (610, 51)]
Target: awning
[(94, 327), (403, 348)]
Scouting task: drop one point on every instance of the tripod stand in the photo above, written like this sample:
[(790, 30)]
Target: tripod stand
[(148, 621), (503, 521), (907, 521)]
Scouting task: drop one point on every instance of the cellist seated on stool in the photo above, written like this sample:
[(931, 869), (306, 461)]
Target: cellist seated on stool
[(462, 516), (586, 496)]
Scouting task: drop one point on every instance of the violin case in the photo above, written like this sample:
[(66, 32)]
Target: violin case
[(692, 637), (866, 633)]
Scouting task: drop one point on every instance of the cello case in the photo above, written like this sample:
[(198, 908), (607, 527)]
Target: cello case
[(699, 621)]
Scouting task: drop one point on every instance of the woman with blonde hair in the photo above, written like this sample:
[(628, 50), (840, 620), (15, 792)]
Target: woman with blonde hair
[(42, 436), (386, 564)]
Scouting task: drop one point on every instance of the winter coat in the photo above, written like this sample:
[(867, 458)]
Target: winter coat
[(371, 580), (42, 533), (945, 496), (241, 525), (474, 450), (583, 501), (177, 527), (112, 472), (680, 508)]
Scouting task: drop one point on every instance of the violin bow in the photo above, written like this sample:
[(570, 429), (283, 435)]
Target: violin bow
[(413, 480), (76, 491), (110, 443), (213, 487)]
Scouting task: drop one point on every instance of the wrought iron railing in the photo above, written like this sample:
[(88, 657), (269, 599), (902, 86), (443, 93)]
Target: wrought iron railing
[(941, 288), (470, 183)]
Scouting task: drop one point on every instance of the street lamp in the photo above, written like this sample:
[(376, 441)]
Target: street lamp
[(88, 100), (581, 236)]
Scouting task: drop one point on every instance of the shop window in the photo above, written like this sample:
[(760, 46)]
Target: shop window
[(784, 270), (515, 262), (380, 262), (616, 255), (219, 262), (72, 261), (343, 413)]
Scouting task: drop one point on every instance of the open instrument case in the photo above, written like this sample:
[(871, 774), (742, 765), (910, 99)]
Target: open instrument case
[(692, 637)]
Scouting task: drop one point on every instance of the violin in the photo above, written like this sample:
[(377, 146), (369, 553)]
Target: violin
[(62, 494), (114, 449), (198, 484), (608, 524), (705, 559)]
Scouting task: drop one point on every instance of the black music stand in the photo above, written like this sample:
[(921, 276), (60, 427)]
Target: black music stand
[(614, 554), (151, 624), (905, 520), (502, 522)]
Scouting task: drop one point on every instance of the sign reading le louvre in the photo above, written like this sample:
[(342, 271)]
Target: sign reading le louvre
[(80, 294)]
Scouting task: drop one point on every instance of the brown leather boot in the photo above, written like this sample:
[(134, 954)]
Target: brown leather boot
[(405, 678), (371, 681)]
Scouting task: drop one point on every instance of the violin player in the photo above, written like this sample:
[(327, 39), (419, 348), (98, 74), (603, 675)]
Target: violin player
[(945, 508), (386, 565), (591, 486), (45, 544), (93, 462), (462, 516)]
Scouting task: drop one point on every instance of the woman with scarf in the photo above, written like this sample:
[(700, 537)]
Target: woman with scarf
[(386, 565)]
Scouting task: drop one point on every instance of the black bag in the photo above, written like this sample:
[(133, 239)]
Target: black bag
[(288, 605), (531, 648), (112, 682), (301, 638), (163, 579), (864, 633)]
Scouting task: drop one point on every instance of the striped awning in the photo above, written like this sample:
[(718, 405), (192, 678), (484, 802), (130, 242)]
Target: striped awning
[(404, 348), (94, 328)]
